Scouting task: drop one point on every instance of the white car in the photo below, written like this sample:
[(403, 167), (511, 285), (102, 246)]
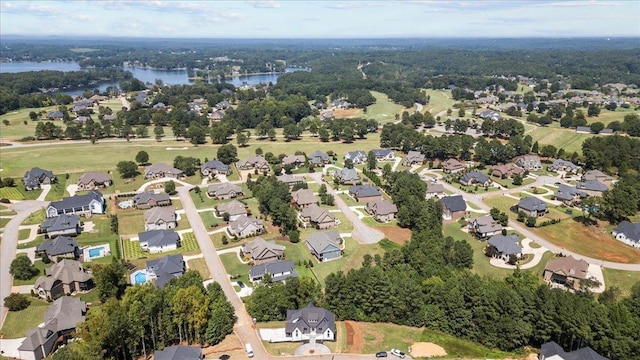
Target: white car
[(397, 353)]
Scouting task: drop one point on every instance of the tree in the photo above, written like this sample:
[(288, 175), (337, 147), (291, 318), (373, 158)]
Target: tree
[(323, 134), (110, 279), (16, 302), (620, 202), (127, 169), (371, 160), (294, 236), (158, 131), (596, 127), (170, 187), (347, 134), (461, 112), (187, 164), (348, 164), (227, 154), (291, 132), (593, 110), (33, 115), (22, 269), (242, 139), (142, 157)]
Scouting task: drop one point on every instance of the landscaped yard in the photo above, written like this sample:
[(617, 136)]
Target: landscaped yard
[(200, 266), (35, 218), (621, 279), (288, 348), (40, 266), (11, 193), (17, 323), (234, 267), (188, 246)]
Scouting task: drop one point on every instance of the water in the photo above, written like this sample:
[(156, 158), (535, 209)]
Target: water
[(16, 67), (95, 252), (140, 278)]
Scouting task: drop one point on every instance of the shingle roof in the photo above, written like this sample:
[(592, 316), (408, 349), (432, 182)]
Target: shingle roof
[(224, 188), (60, 222), (630, 230), (382, 207), (553, 349), (506, 244), (310, 317), (475, 177), (319, 241), (258, 248), (215, 164), (35, 176), (532, 204), (316, 214), (364, 191), (58, 246), (304, 197), (592, 185), (233, 208), (156, 238), (568, 266), (161, 168), (156, 214), (179, 352), (97, 177), (454, 203), (435, 188), (166, 267), (274, 267), (347, 174), (382, 152), (145, 197), (66, 271), (77, 201)]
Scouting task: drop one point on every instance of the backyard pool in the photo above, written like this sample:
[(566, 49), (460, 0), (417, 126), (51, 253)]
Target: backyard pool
[(98, 251), (95, 252), (140, 278)]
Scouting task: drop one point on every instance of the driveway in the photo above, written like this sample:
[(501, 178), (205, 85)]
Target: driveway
[(45, 191), (526, 249)]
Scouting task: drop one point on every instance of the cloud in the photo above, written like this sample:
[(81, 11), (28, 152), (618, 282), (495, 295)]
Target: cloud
[(265, 4), (346, 5)]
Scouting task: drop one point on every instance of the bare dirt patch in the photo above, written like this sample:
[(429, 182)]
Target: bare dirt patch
[(396, 234), (355, 340), (427, 349), (231, 345), (346, 113)]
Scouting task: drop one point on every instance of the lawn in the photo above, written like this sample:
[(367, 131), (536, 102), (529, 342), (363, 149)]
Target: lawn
[(234, 267), (40, 266), (210, 221), (200, 266), (567, 139), (384, 110), (503, 203), (35, 218), (508, 183), (621, 279), (59, 189), (17, 323), (11, 193), (188, 246), (33, 243), (4, 222), (24, 234), (439, 100), (16, 129), (459, 348), (473, 189), (130, 221)]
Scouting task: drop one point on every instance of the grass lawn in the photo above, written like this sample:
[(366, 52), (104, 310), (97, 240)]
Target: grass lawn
[(130, 221), (234, 267), (91, 297), (459, 348), (473, 189), (24, 234), (40, 266), (508, 183), (350, 201), (439, 100), (503, 203), (17, 129), (384, 110), (11, 193), (33, 243), (567, 139), (621, 279), (210, 221), (17, 323), (58, 190), (200, 266), (188, 246), (4, 222), (35, 218)]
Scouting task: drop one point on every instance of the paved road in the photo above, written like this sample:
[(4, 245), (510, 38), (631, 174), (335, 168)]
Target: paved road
[(8, 247), (361, 232)]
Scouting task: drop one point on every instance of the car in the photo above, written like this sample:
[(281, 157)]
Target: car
[(397, 353), (381, 354), (224, 357), (241, 284)]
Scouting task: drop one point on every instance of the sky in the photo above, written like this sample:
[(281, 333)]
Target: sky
[(321, 19)]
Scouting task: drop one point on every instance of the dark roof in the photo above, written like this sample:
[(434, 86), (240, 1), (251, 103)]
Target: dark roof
[(166, 267), (630, 230), (592, 185), (35, 176), (147, 196), (454, 203), (215, 164), (58, 246), (552, 349), (382, 152), (275, 267), (583, 128), (347, 174), (77, 201), (506, 244), (61, 222), (318, 156), (55, 115), (159, 237), (532, 204), (364, 191), (475, 177), (179, 352), (64, 314), (320, 241), (310, 317)]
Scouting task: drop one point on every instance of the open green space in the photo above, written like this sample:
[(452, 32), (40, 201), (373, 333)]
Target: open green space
[(23, 234), (4, 222), (210, 221), (439, 100), (384, 110), (199, 265), (462, 349), (234, 267), (33, 243), (11, 193), (567, 139), (624, 280), (188, 246), (17, 323), (17, 129), (59, 189)]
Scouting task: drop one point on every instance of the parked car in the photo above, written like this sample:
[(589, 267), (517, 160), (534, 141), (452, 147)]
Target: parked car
[(397, 353), (381, 354), (241, 284), (224, 357)]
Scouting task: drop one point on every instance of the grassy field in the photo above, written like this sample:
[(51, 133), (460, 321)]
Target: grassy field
[(200, 266), (188, 245), (17, 323), (567, 139), (621, 279), (233, 266), (384, 110), (439, 101), (17, 129), (458, 348), (11, 193)]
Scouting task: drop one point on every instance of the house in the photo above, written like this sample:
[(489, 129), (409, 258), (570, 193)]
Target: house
[(563, 165), (55, 115), (319, 158), (325, 246), (223, 105), (504, 247), (254, 163), (434, 190), (214, 167), (452, 166), (341, 104), (592, 187), (160, 218), (216, 115), (35, 177), (62, 246), (490, 115), (162, 170), (303, 198), (157, 241), (597, 175), (234, 208), (261, 251), (160, 106), (384, 154), (569, 195), (628, 233), (290, 180), (357, 157), (60, 322), (91, 180), (310, 321), (453, 207), (61, 225), (606, 131), (83, 205), (484, 226), (109, 118), (166, 268), (567, 271), (347, 176), (528, 162), (365, 193), (382, 210), (532, 207), (320, 218), (294, 160), (224, 191), (552, 351), (279, 270), (475, 178), (179, 352), (414, 157), (65, 277), (505, 171), (245, 226), (149, 199)]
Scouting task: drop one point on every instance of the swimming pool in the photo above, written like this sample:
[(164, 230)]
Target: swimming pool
[(140, 278), (95, 252)]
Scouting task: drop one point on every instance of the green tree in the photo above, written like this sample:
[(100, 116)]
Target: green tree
[(158, 131), (222, 315), (371, 160), (110, 279), (620, 202), (127, 169), (191, 313), (16, 302), (227, 154), (596, 127), (323, 134), (188, 164), (170, 187), (142, 157), (33, 115), (22, 269)]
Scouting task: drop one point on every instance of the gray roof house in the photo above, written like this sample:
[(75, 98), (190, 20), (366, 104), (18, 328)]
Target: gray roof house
[(484, 226), (320, 218), (414, 157), (475, 178), (245, 226), (254, 162), (303, 198), (91, 180), (434, 190), (491, 115), (161, 170), (160, 218), (62, 246), (65, 277), (564, 165), (325, 246), (596, 175), (533, 206), (166, 268), (83, 205), (528, 162), (453, 207), (383, 154), (569, 195), (310, 319), (156, 241), (149, 199), (504, 247), (319, 158), (55, 115), (365, 193), (179, 352), (214, 167), (553, 351), (592, 187), (628, 233), (61, 225), (358, 157), (347, 176), (279, 270), (261, 251), (35, 177), (295, 160), (234, 208), (382, 210), (60, 321), (290, 180), (223, 191)]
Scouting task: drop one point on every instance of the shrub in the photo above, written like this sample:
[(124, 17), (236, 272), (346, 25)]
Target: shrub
[(22, 269), (16, 302)]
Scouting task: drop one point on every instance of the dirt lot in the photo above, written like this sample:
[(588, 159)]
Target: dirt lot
[(355, 340), (345, 113), (231, 345), (396, 234), (427, 349)]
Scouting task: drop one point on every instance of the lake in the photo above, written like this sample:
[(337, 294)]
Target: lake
[(169, 77)]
